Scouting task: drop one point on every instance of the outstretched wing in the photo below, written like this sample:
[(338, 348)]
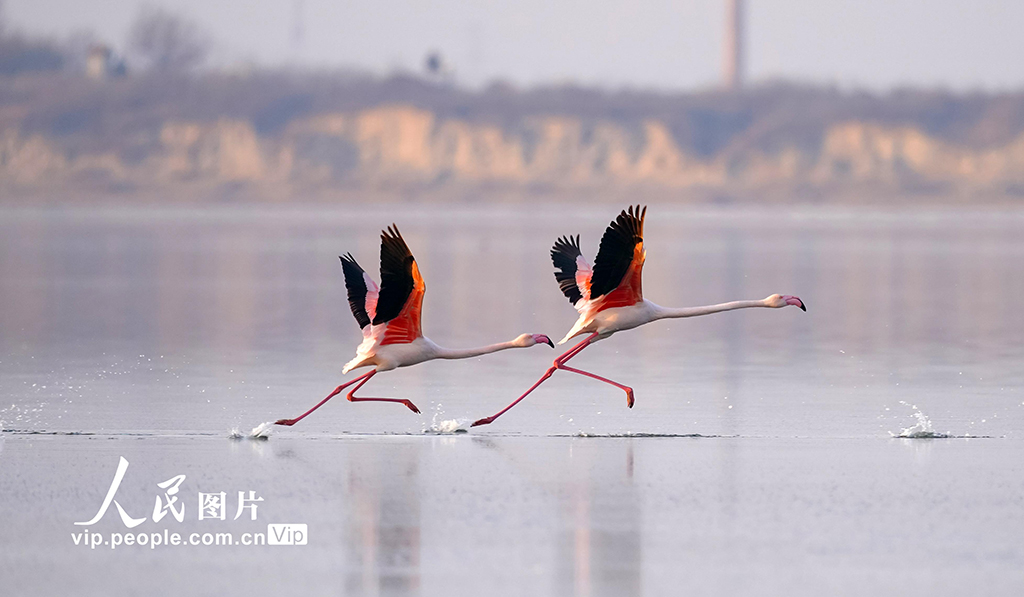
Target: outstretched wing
[(362, 290), (401, 289), (572, 271), (621, 257)]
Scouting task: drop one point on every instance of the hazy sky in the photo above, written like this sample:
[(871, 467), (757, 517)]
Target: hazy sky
[(961, 44)]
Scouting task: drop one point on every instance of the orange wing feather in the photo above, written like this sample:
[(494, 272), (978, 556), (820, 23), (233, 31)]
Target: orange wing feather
[(406, 326), (629, 291)]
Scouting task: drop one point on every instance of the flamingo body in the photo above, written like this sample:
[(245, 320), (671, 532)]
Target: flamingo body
[(389, 316), (609, 296), (373, 352), (609, 320)]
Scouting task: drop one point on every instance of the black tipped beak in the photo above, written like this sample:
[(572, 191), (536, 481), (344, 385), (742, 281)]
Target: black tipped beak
[(550, 343), (803, 307)]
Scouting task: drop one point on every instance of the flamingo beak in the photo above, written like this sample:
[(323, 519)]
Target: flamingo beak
[(541, 338), (795, 301)]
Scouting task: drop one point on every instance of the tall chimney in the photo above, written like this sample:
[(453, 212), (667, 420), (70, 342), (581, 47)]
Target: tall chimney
[(733, 65)]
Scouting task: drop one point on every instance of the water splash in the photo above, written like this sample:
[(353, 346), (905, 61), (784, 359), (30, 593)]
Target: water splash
[(921, 429), (449, 426), (446, 426), (260, 432)]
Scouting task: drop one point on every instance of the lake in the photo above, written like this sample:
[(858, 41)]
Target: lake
[(760, 457)]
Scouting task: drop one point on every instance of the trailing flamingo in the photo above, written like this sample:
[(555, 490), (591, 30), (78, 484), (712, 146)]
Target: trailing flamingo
[(609, 298), (389, 316)]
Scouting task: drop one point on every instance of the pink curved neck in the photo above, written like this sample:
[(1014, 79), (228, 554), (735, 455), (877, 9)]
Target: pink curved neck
[(468, 353), (668, 312)]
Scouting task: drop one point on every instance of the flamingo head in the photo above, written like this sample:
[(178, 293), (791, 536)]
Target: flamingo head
[(527, 340), (777, 301)]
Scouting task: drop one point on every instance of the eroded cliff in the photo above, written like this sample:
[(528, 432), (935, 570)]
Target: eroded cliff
[(401, 146)]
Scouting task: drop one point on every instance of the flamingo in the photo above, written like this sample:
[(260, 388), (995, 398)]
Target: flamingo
[(389, 316), (609, 298)]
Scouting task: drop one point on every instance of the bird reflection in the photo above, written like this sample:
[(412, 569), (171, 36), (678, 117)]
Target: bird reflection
[(599, 549), (384, 527)]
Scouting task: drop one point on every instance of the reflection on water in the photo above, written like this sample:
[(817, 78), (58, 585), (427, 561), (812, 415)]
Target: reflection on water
[(599, 550), (506, 515), (383, 539)]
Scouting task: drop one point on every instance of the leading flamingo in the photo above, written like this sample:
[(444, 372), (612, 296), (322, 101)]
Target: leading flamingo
[(609, 298), (389, 316)]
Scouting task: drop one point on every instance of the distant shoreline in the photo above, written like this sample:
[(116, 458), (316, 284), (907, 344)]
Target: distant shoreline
[(274, 137)]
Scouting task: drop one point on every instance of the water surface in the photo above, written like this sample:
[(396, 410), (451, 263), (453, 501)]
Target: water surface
[(758, 458)]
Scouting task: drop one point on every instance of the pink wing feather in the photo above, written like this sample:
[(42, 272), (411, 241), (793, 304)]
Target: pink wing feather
[(372, 292), (583, 275)]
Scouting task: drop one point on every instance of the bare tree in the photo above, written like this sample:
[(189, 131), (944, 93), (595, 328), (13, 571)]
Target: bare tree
[(167, 42)]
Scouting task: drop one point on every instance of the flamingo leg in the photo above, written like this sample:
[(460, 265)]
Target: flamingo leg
[(337, 390), (351, 397), (558, 364), (361, 380), (628, 390)]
